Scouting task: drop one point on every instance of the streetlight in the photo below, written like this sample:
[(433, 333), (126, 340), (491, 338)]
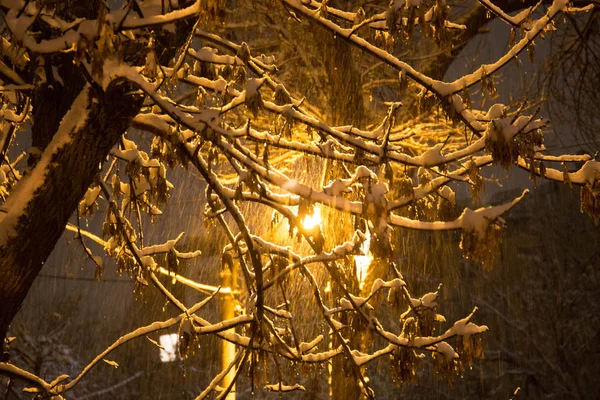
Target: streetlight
[(363, 262), (313, 220)]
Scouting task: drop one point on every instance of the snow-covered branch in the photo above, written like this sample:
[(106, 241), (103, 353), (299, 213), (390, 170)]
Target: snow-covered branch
[(304, 198)]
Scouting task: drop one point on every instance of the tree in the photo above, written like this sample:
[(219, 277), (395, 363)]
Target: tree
[(113, 97)]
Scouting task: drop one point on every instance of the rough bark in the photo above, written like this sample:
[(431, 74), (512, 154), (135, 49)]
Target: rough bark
[(75, 166), (346, 106), (345, 97), (71, 172)]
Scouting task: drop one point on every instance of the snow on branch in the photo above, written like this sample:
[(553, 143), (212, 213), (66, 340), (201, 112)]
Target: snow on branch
[(310, 206)]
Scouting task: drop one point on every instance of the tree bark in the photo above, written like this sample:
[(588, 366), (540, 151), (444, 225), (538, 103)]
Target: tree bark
[(346, 106), (70, 173), (72, 168)]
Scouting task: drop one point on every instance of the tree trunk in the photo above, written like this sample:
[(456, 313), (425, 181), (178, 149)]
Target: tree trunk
[(67, 177), (345, 96), (345, 106), (27, 240)]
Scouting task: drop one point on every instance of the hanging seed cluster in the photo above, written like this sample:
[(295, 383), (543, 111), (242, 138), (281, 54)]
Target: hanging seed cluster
[(589, 197), (482, 245)]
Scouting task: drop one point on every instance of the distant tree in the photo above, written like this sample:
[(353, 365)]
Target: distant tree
[(113, 97)]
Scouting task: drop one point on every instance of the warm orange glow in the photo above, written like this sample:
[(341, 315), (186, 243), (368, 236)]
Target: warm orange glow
[(311, 221), (363, 262)]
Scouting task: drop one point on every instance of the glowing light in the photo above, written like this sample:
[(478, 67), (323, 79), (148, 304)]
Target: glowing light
[(363, 262), (311, 221), (168, 352)]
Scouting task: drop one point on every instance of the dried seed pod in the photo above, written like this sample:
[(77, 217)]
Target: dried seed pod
[(391, 20), (476, 181), (404, 186), (360, 16), (469, 348), (244, 53), (481, 241), (187, 338), (445, 368), (254, 102), (281, 96), (566, 178), (502, 150), (589, 197), (405, 361), (151, 66)]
